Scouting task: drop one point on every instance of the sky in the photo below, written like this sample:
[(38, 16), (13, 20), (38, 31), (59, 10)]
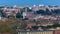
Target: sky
[(29, 2)]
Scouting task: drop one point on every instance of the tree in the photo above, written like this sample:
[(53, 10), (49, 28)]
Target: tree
[(35, 27), (18, 15)]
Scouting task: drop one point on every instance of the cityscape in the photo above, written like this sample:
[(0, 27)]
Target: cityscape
[(34, 18), (29, 16)]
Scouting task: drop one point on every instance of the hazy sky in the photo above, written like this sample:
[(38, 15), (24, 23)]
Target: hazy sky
[(29, 2)]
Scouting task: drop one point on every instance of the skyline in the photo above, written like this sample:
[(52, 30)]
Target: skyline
[(29, 2)]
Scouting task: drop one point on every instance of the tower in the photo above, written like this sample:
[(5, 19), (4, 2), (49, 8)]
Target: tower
[(24, 15)]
